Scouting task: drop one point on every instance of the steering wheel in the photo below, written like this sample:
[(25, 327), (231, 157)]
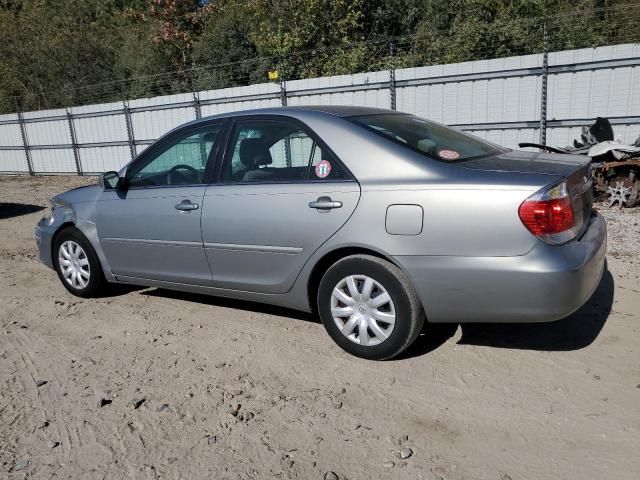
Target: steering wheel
[(174, 170)]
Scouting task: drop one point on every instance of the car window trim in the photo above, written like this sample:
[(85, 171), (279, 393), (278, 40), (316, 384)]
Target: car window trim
[(227, 151), (169, 137), (209, 174)]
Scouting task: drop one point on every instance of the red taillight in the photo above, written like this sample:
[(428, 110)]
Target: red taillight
[(547, 217), (548, 214)]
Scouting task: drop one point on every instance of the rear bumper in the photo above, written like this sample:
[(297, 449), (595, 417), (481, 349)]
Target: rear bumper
[(546, 284)]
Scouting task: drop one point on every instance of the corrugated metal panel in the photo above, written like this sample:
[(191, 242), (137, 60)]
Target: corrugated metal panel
[(610, 92), (508, 138), (48, 133), (57, 160), (13, 161), (480, 101), (476, 94), (150, 125), (232, 92), (111, 128), (366, 98), (8, 117), (589, 94), (216, 109), (103, 159), (374, 97), (263, 89), (45, 113), (10, 134)]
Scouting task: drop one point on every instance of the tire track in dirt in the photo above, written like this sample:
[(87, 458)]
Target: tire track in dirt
[(45, 398)]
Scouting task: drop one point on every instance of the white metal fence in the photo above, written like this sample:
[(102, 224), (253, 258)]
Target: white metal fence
[(503, 100)]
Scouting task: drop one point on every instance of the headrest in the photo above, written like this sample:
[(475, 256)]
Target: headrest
[(254, 153)]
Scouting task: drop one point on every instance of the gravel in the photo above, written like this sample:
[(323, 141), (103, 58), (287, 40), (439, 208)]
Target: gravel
[(458, 399), (623, 228), (405, 453)]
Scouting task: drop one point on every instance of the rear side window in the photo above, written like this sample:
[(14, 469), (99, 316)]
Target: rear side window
[(267, 151), (428, 138)]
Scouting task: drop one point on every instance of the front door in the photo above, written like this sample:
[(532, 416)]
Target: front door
[(151, 230), (282, 194)]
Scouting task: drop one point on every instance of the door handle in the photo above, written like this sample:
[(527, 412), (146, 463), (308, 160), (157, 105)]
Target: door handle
[(324, 203), (186, 206)]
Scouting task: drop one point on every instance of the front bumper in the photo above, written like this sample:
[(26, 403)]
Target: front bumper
[(546, 284), (44, 236)]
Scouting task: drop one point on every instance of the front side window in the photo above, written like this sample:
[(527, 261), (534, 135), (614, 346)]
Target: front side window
[(277, 151), (428, 138), (181, 162)]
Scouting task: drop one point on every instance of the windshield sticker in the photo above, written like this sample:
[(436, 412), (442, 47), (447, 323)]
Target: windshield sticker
[(323, 168), (448, 154)]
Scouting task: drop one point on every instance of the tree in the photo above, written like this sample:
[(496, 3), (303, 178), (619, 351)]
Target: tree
[(69, 52)]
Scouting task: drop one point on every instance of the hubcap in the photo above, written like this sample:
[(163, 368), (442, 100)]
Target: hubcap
[(74, 264), (363, 310)]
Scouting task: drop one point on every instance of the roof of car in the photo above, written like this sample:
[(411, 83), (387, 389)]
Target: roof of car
[(337, 110), (342, 110)]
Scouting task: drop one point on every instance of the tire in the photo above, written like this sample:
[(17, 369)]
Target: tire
[(84, 259), (396, 324)]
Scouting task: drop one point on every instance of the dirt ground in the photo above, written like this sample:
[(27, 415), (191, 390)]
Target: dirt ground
[(152, 384)]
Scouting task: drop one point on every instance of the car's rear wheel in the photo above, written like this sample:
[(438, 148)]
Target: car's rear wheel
[(369, 307), (77, 264)]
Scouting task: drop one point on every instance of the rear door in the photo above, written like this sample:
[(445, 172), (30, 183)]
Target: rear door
[(151, 230), (281, 195)]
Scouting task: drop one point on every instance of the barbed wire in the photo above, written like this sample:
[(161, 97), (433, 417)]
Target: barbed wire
[(498, 39)]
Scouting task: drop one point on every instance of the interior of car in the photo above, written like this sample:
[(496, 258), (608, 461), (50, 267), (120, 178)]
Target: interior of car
[(270, 151), (182, 162)]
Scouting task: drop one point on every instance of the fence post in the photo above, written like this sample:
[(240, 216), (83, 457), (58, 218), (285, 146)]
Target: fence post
[(196, 105), (25, 141), (543, 89), (74, 142), (392, 76), (283, 86), (130, 137)]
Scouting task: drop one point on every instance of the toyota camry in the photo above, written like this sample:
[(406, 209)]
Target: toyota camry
[(375, 220)]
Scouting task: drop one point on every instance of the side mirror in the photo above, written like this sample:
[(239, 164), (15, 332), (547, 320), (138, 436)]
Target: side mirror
[(111, 181)]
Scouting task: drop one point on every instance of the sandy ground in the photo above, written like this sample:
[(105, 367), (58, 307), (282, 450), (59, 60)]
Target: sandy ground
[(153, 384)]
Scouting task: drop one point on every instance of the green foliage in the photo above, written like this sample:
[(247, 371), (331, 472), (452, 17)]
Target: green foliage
[(66, 52)]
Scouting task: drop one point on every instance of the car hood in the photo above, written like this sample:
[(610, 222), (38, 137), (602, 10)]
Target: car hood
[(88, 193), (519, 161)]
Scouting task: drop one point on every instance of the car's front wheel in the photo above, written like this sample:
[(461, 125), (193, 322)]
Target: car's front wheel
[(369, 307), (77, 264)]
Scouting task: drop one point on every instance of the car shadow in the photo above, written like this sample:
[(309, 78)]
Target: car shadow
[(432, 336), (571, 333), (574, 332), (120, 289), (10, 210), (232, 303)]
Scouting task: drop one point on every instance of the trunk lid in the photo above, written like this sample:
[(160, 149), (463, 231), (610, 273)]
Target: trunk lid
[(575, 169)]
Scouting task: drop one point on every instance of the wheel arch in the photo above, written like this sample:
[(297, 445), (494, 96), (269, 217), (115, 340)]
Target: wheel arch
[(331, 257), (87, 229), (58, 231)]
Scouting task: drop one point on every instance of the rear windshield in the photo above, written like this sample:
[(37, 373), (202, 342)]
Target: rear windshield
[(428, 138)]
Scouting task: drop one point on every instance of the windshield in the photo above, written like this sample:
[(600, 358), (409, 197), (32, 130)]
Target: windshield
[(428, 138)]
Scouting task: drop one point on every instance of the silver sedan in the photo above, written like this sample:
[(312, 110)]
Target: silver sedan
[(374, 219)]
